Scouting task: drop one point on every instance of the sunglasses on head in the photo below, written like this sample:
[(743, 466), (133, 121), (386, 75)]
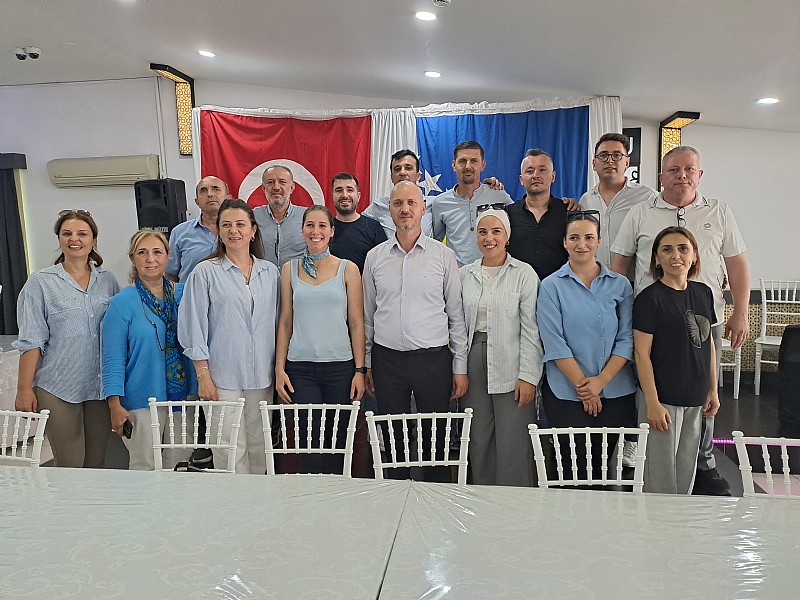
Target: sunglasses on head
[(582, 215), (484, 207), (74, 211)]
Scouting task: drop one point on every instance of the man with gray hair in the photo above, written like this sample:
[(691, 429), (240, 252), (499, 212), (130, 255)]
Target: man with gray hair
[(721, 249), (280, 221)]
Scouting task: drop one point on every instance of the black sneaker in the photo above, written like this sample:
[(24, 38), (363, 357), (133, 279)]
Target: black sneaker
[(710, 483)]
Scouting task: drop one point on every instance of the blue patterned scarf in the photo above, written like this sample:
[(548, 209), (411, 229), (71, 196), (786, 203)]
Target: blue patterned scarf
[(308, 261), (167, 311)]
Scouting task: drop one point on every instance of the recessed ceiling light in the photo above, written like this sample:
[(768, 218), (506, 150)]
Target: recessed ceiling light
[(768, 100), (206, 53), (424, 15), (433, 74)]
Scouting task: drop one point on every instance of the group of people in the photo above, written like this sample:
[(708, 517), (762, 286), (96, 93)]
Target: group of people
[(292, 304)]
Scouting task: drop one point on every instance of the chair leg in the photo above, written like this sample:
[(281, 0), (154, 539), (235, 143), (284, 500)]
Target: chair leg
[(719, 375), (737, 372), (757, 377)]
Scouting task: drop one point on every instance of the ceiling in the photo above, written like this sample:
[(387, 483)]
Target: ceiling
[(712, 56)]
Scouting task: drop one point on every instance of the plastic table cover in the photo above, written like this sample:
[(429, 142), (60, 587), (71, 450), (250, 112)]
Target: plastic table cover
[(74, 533), (496, 542)]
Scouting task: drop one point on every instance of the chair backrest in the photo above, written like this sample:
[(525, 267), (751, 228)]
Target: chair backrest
[(780, 301), (328, 417), (183, 421), (589, 438), (780, 489), (427, 427), (16, 429)]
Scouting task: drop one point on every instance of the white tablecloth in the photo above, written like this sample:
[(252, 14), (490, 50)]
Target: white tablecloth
[(71, 533), (482, 543)]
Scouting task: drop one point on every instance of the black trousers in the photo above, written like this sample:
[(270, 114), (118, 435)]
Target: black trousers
[(428, 374)]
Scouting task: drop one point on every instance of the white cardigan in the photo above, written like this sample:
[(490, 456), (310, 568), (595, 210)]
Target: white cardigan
[(514, 350)]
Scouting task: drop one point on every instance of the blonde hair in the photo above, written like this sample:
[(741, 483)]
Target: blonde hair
[(136, 241)]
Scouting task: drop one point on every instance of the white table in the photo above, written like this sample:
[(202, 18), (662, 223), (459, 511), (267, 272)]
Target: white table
[(72, 533), (487, 543)]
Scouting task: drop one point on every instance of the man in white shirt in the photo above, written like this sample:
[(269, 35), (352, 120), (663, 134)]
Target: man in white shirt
[(720, 243), (414, 320)]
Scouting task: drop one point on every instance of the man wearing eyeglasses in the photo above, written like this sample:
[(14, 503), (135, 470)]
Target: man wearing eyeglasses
[(280, 221), (614, 195), (191, 241), (454, 211), (539, 219), (721, 249)]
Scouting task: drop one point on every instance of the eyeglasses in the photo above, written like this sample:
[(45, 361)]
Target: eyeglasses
[(74, 211), (681, 220), (615, 156), (484, 207), (582, 215), (155, 327)]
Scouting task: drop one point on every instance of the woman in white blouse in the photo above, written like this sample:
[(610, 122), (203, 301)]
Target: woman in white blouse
[(505, 356), (226, 324)]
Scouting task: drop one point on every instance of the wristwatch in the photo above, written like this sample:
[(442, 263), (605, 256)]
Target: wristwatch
[(362, 370)]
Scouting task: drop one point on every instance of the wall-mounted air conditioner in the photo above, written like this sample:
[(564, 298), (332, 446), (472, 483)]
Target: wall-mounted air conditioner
[(95, 171)]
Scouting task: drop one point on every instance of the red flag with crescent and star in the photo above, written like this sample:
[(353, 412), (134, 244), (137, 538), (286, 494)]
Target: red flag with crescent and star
[(239, 148)]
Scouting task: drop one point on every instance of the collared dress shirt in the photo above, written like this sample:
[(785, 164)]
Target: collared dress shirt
[(455, 218), (233, 328), (612, 215), (189, 243), (710, 220), (61, 319), (589, 325), (282, 241), (539, 243), (412, 300)]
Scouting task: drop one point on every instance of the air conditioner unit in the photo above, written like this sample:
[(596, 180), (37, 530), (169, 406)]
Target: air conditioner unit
[(96, 171)]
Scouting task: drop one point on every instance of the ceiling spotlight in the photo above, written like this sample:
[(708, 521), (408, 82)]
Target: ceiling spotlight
[(768, 100), (20, 53), (424, 15), (206, 53), (433, 74), (33, 52), (441, 2)]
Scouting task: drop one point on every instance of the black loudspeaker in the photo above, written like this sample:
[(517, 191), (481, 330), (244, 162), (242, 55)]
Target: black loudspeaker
[(789, 383), (160, 203)]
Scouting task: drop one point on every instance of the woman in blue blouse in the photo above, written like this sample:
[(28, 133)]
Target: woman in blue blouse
[(226, 323), (585, 320), (141, 353), (320, 343), (59, 312)]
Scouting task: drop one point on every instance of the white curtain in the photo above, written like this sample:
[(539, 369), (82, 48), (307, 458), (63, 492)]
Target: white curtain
[(393, 129), (605, 116)]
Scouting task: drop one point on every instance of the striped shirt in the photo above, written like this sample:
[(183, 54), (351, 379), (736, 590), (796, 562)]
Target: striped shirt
[(232, 327), (61, 319)]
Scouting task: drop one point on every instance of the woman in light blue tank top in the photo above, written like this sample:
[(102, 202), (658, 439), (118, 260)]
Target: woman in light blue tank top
[(320, 343)]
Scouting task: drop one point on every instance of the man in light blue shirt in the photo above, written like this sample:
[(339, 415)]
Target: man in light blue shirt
[(191, 241), (454, 211), (280, 221)]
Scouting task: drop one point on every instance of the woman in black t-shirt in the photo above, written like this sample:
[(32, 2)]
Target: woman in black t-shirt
[(674, 353)]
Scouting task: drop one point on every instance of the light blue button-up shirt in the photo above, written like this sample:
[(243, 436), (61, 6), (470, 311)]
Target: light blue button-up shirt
[(282, 241), (221, 322), (189, 243), (61, 319), (589, 325)]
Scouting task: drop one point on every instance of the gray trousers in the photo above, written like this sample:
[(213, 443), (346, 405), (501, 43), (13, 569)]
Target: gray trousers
[(705, 458), (500, 451), (672, 455)]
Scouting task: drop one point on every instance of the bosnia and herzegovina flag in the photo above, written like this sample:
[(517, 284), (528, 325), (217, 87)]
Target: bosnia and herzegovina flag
[(563, 133), (238, 146)]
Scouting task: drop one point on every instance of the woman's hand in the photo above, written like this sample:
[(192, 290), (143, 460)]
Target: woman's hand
[(357, 387), (593, 405), (524, 393), (589, 387), (283, 386), (118, 417), (26, 400), (711, 406), (206, 389), (658, 417)]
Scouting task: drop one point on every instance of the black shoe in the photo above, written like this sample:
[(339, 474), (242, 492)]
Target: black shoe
[(710, 483)]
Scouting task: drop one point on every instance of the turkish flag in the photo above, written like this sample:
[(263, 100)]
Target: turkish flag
[(238, 149)]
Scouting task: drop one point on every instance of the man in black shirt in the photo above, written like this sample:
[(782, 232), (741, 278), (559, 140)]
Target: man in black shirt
[(354, 234), (539, 219)]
